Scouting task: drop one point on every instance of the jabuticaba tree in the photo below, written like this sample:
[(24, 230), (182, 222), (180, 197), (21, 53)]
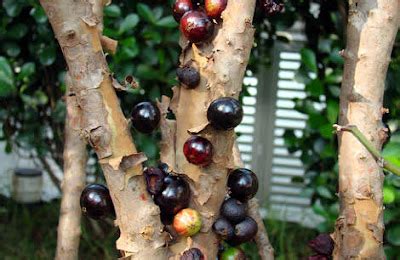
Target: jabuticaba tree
[(371, 31), (197, 147)]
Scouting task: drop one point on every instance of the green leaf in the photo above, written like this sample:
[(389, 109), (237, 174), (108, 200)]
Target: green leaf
[(326, 131), (27, 70), (309, 59), (38, 14), (128, 23), (393, 235), (12, 7), (112, 11), (7, 86), (17, 31), (332, 110), (391, 152), (12, 49), (129, 48), (389, 195), (324, 192), (167, 22), (145, 12), (315, 88), (47, 56)]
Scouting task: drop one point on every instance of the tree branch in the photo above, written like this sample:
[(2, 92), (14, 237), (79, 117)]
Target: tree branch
[(371, 30), (78, 26), (370, 147), (75, 158)]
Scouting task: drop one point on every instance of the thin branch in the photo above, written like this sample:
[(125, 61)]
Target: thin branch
[(369, 146)]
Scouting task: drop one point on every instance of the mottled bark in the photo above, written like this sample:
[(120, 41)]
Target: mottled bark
[(75, 158), (222, 63), (371, 30), (77, 25)]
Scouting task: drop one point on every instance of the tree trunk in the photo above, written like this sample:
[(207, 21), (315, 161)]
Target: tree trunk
[(222, 64), (77, 25), (371, 31), (75, 158)]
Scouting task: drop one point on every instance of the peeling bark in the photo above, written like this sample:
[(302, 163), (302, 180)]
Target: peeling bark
[(221, 63), (371, 30), (78, 28), (75, 158)]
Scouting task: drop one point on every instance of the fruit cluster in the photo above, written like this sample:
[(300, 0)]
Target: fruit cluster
[(195, 20), (96, 202), (233, 225), (172, 194)]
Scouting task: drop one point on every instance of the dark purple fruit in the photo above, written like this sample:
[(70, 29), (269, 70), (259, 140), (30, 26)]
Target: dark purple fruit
[(175, 195), (196, 26), (198, 151), (271, 7), (166, 217), (225, 113), (244, 231), (233, 210), (223, 228), (189, 76), (243, 184), (323, 244), (233, 253), (192, 254), (198, 3), (145, 117), (154, 180), (96, 201), (214, 8), (180, 8), (164, 167)]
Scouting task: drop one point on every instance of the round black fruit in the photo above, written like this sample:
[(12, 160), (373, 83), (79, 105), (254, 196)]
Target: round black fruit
[(96, 201), (145, 117), (192, 254), (164, 167), (233, 210), (154, 180), (225, 113), (223, 228), (189, 76), (243, 184), (244, 231), (174, 196)]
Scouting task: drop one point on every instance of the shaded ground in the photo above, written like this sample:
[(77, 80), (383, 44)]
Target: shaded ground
[(29, 232)]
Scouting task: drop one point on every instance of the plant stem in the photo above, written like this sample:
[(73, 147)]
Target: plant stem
[(370, 147)]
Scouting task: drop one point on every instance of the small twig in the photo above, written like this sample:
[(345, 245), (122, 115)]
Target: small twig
[(370, 147)]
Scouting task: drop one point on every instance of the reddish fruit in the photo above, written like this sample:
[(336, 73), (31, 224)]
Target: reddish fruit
[(96, 201), (187, 222), (214, 8), (198, 151), (225, 113), (196, 26), (243, 184), (180, 8), (145, 117), (154, 180), (192, 254)]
